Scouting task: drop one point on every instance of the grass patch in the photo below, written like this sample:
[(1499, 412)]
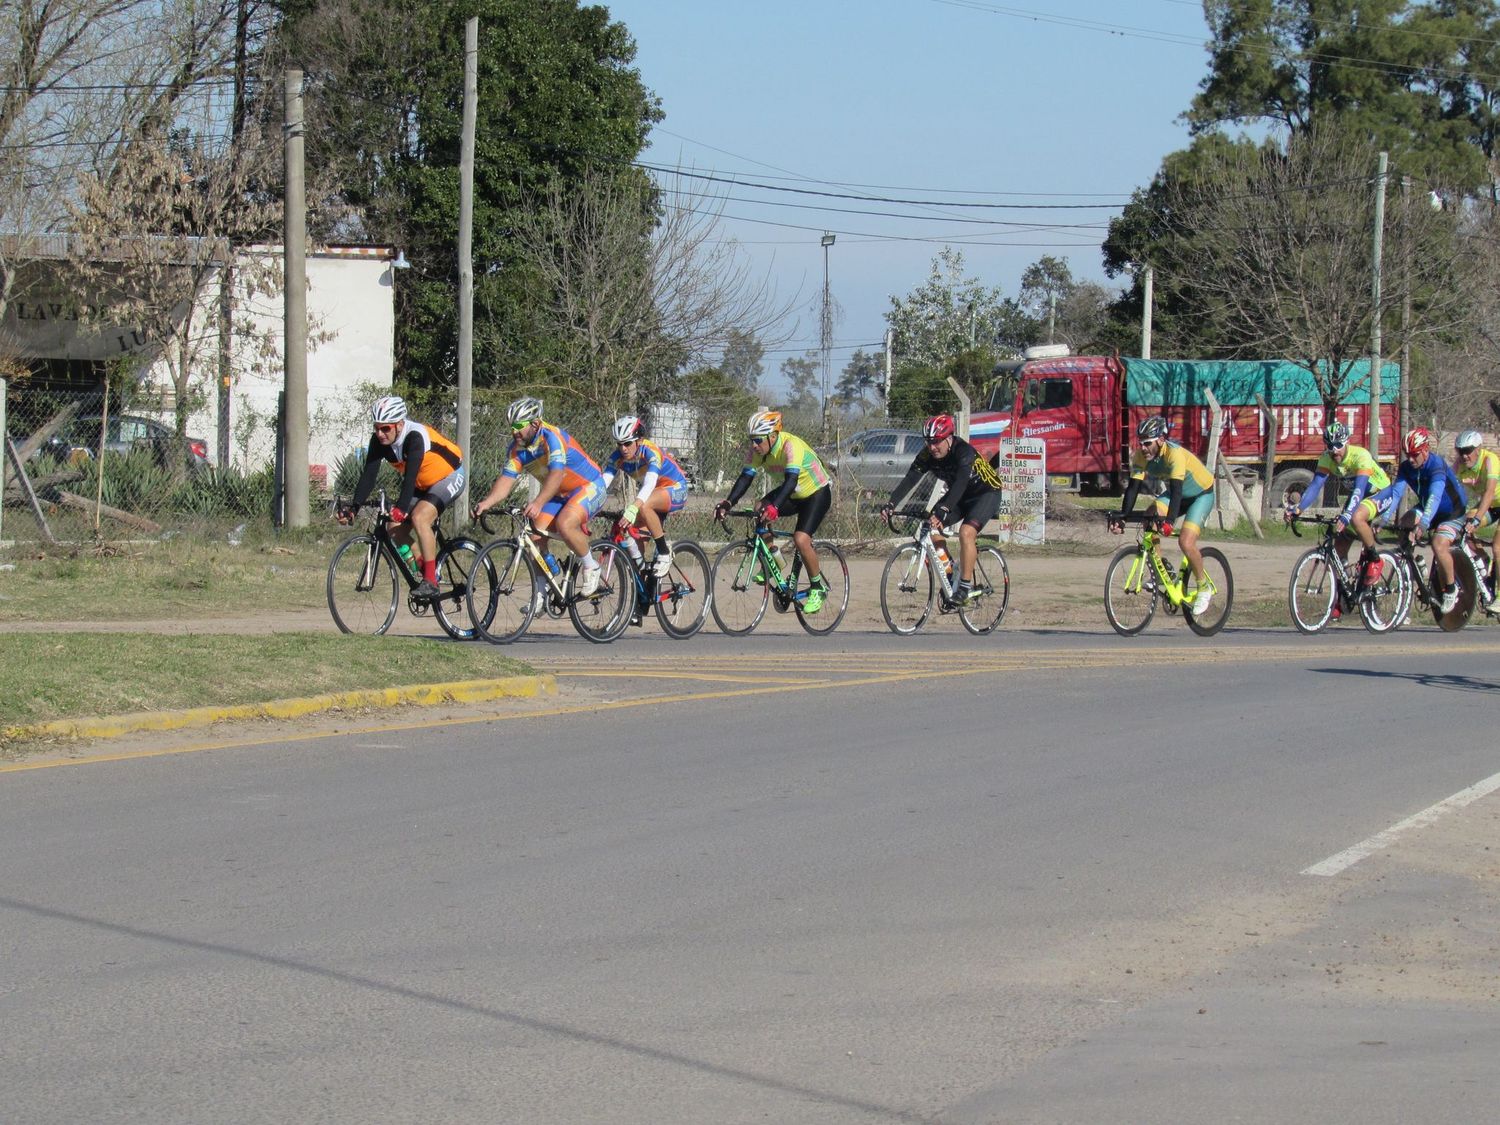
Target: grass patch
[(80, 675)]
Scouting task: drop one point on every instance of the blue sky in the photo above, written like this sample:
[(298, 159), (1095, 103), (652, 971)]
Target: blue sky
[(1054, 102)]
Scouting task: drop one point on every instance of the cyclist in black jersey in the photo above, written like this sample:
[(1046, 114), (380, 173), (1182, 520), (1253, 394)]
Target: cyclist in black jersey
[(972, 495)]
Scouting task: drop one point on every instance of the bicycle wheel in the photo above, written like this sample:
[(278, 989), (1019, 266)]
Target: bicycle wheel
[(1129, 591), (835, 574), (1463, 574), (1384, 605), (992, 583), (605, 614), (907, 586), (739, 601), (684, 595), (1211, 620), (501, 598), (362, 583), (1311, 592), (454, 565)]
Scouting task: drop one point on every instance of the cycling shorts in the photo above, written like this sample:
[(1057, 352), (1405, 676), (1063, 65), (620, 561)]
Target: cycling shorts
[(1449, 529), (1197, 511), (676, 495), (977, 509), (810, 510), (446, 490), (1375, 511), (587, 499)]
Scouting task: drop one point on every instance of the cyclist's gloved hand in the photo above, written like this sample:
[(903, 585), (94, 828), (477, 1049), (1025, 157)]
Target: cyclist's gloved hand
[(1339, 524), (1288, 513), (940, 514), (887, 511), (721, 509), (344, 513), (1116, 522), (398, 515), (769, 512), (629, 514), (1165, 527)]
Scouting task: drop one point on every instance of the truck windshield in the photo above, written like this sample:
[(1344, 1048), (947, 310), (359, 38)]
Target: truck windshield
[(1002, 393)]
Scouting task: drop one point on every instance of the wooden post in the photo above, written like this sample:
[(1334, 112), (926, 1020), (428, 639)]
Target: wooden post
[(1269, 416), (25, 482), (1220, 468)]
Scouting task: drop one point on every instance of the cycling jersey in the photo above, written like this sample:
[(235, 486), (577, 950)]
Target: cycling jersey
[(423, 456), (553, 448), (1173, 462), (649, 462), (1476, 478), (963, 470), (791, 455), (1357, 468), (1440, 496)]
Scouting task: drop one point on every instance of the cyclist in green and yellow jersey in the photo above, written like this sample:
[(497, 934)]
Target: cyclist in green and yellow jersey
[(803, 490), (1354, 466), (1479, 472), (1188, 493)]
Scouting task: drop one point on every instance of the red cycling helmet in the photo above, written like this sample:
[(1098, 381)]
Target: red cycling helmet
[(1416, 441), (938, 427)]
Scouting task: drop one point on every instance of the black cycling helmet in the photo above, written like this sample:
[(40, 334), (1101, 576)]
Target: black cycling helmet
[(1335, 435), (1153, 428)]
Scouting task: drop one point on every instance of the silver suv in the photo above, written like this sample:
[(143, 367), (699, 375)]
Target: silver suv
[(877, 459)]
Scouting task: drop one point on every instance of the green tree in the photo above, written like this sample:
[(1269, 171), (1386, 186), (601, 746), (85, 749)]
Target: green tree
[(946, 314), (862, 379), (558, 94), (803, 380), (741, 362)]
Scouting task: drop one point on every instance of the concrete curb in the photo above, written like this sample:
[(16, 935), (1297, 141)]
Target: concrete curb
[(426, 695)]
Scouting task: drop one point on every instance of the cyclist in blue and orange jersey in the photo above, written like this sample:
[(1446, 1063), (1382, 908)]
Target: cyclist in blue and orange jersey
[(1354, 466), (1440, 503), (663, 486), (1479, 472), (803, 491), (972, 496), (1189, 494), (572, 487), (432, 477)]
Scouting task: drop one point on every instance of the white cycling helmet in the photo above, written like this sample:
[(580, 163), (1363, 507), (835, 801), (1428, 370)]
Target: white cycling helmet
[(629, 428), (763, 423), (524, 411), (1469, 439), (387, 409)]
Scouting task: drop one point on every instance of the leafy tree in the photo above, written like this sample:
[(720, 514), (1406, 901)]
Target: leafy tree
[(742, 357), (863, 378), (804, 381), (558, 94), (945, 314)]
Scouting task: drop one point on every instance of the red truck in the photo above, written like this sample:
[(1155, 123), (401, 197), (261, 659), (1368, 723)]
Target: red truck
[(1086, 409)]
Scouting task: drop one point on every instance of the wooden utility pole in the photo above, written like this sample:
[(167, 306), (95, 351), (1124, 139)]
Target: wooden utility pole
[(466, 259), (1375, 341)]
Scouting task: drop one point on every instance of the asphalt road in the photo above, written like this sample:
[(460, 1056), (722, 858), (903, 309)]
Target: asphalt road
[(1057, 878)]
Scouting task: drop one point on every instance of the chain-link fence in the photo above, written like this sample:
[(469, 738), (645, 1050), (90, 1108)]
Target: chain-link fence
[(124, 472)]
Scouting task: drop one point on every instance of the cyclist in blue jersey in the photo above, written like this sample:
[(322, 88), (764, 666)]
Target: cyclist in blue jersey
[(663, 486), (1440, 504)]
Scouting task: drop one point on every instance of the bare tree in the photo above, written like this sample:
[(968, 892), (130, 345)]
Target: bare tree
[(1278, 249), (643, 285)]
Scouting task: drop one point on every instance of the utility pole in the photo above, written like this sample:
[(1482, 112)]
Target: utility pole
[(294, 440), (1405, 299), (827, 332), (1051, 315), (466, 258), (890, 344), (1375, 341), (1148, 301)]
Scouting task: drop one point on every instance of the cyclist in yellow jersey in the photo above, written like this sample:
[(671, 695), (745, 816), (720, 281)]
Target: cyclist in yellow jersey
[(1189, 493), (1356, 467), (1479, 472), (803, 491)]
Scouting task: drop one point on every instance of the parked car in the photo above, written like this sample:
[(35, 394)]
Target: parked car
[(125, 433), (876, 459)]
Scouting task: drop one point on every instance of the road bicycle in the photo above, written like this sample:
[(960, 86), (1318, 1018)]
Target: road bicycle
[(916, 577), (1426, 580), (1323, 579), (748, 576), (366, 571), (681, 599), (1139, 576), (514, 581), (1484, 575)]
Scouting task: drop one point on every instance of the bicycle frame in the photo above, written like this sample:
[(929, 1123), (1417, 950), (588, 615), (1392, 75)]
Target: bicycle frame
[(1345, 577), (525, 540), (922, 536), (783, 583), (1175, 588), (380, 528)]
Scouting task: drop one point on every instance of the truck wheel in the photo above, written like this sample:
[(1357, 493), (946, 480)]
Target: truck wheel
[(1288, 486)]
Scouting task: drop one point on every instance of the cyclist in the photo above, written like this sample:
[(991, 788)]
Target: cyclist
[(572, 487), (973, 492), (1189, 493), (803, 491), (432, 477), (663, 488), (1354, 466), (1479, 473), (1440, 504)]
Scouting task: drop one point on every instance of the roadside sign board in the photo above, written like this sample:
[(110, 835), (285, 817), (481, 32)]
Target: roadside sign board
[(1023, 501)]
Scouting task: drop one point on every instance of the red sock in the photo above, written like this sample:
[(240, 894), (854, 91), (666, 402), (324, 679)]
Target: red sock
[(429, 570)]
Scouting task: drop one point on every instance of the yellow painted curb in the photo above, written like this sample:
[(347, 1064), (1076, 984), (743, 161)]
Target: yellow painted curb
[(459, 691)]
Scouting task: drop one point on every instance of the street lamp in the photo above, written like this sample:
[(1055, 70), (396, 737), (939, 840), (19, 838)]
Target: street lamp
[(827, 331)]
